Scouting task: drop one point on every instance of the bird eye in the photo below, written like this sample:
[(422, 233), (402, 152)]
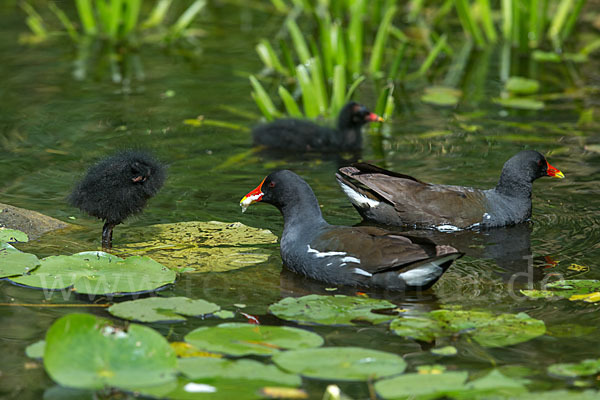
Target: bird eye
[(540, 163), (271, 184)]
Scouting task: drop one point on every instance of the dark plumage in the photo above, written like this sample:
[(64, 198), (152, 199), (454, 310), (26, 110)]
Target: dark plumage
[(117, 187), (342, 255), (303, 135), (391, 198)]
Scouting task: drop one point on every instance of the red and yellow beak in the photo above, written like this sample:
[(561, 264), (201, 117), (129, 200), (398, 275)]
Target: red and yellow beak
[(374, 118), (554, 172), (252, 197)]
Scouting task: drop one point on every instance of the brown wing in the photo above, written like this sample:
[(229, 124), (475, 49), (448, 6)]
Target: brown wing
[(419, 203), (379, 250)]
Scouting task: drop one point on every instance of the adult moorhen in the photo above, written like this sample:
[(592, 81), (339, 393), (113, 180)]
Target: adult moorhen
[(117, 187), (341, 255), (302, 135), (391, 198)]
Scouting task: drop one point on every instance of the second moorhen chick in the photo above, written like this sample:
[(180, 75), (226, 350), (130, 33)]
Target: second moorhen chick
[(117, 187), (342, 255), (392, 198), (302, 135)]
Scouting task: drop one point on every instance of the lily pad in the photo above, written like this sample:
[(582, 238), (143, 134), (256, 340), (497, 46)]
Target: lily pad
[(331, 310), (445, 351), (561, 395), (155, 309), (12, 235), (87, 352), (207, 368), (522, 103), (36, 350), (240, 339), (441, 96), (96, 272), (573, 370), (449, 384), (580, 289), (201, 246), (485, 328), (519, 85), (14, 262), (341, 363)]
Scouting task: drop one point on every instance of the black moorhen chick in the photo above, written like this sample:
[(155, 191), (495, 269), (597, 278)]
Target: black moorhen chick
[(303, 135), (342, 255), (391, 198), (117, 187)]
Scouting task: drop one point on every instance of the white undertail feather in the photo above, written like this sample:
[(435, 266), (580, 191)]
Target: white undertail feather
[(425, 273), (358, 198)]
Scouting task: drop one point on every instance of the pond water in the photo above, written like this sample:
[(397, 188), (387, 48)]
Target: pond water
[(58, 116)]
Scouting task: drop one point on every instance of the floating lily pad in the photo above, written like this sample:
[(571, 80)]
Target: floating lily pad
[(561, 395), (155, 309), (445, 351), (573, 370), (519, 85), (12, 235), (211, 389), (14, 262), (441, 96), (487, 329), (207, 368), (183, 350), (520, 103), (36, 350), (341, 363), (240, 339), (449, 384), (86, 352), (331, 310), (96, 272), (581, 289), (224, 314), (201, 246)]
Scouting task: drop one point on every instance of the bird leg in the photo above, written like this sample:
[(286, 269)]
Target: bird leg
[(107, 230)]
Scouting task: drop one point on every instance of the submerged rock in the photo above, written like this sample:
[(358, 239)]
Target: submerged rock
[(33, 223)]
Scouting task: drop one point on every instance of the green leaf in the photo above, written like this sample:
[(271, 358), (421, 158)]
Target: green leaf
[(86, 352), (208, 367), (240, 339), (341, 363), (331, 310), (210, 246), (164, 309), (263, 100), (421, 385), (445, 351), (14, 262), (441, 96), (581, 289), (36, 350), (12, 235), (519, 85), (572, 370), (290, 104), (485, 328), (96, 272), (520, 103)]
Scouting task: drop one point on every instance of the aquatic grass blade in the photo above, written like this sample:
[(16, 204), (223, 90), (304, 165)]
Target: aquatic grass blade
[(86, 16), (355, 36), (130, 16), (311, 108), (507, 19), (487, 21), (158, 13), (469, 24), (353, 87), (338, 89), (34, 21), (572, 19), (290, 104), (185, 19), (66, 22), (269, 58), (299, 42), (319, 84), (432, 56), (263, 100), (380, 41)]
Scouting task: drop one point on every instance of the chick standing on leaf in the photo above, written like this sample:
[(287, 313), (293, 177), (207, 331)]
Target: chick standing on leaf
[(117, 187)]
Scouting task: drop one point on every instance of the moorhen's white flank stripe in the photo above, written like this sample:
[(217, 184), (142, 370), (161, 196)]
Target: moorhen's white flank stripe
[(319, 254), (362, 272)]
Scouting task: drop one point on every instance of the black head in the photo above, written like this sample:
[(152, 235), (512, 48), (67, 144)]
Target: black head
[(142, 171), (525, 167), (280, 188), (354, 115)]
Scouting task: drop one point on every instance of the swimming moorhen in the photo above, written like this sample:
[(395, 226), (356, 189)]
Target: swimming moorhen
[(302, 135), (392, 198), (117, 187), (362, 256)]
